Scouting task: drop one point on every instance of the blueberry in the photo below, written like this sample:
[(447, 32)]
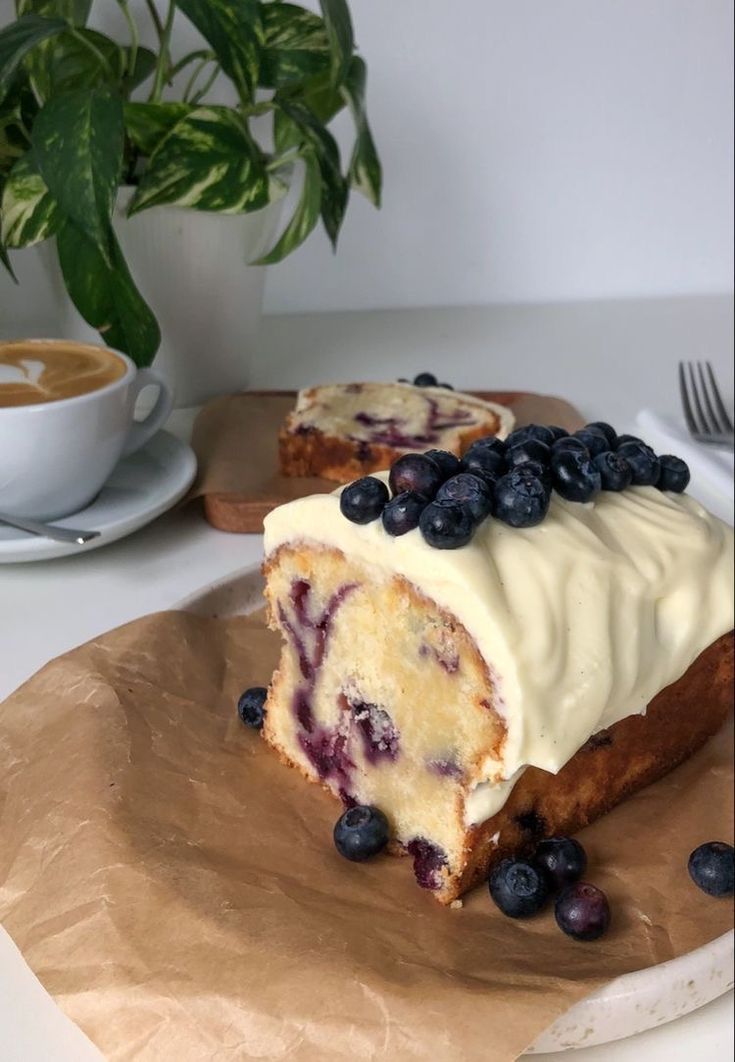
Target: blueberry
[(361, 832), (535, 470), (415, 472), (468, 490), (575, 477), (615, 472), (675, 474), (562, 859), (582, 911), (595, 441), (520, 500), (529, 450), (557, 433), (363, 500), (448, 462), (538, 432), (484, 461), (251, 706), (644, 464), (623, 439), (488, 442), (569, 442), (607, 430), (518, 888), (425, 379), (402, 513), (446, 386), (447, 525), (712, 868)]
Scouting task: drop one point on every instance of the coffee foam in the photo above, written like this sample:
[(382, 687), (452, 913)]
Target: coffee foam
[(41, 371)]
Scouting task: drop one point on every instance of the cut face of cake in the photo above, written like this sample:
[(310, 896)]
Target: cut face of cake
[(342, 431), (517, 687)]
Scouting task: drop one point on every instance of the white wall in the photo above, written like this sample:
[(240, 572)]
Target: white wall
[(536, 150)]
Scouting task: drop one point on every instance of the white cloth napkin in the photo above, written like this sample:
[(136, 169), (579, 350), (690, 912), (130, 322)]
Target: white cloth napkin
[(712, 468)]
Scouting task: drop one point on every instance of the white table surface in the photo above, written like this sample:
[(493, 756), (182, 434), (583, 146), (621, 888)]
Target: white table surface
[(610, 359)]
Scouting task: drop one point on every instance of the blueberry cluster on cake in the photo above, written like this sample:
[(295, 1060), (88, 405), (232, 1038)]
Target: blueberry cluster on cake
[(341, 431), (501, 648)]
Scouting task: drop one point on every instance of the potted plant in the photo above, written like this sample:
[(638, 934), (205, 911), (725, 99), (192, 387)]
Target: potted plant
[(155, 203)]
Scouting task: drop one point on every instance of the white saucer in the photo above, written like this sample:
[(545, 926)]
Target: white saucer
[(141, 487)]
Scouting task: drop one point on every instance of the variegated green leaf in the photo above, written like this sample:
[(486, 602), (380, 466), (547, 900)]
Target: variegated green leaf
[(365, 172), (78, 141), (74, 11), (4, 258), (335, 189), (305, 216), (13, 140), (337, 19), (296, 45), (85, 60), (18, 38), (208, 161), (234, 30), (146, 124), (105, 294), (29, 212)]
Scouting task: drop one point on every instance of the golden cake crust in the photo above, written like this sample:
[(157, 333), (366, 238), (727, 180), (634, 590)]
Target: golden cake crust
[(334, 457), (614, 764)]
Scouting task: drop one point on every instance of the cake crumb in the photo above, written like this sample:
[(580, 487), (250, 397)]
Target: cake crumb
[(456, 905)]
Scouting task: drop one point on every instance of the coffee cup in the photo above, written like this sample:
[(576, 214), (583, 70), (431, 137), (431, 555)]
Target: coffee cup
[(67, 416)]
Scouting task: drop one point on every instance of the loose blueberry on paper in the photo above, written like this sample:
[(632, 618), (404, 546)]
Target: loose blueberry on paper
[(582, 911), (518, 888), (712, 868), (562, 859), (511, 480), (361, 832), (251, 707)]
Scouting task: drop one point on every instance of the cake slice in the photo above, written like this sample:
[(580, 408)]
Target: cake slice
[(514, 688), (342, 431)]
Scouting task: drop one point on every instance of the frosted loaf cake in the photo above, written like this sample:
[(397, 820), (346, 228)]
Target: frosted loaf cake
[(341, 431), (516, 687)]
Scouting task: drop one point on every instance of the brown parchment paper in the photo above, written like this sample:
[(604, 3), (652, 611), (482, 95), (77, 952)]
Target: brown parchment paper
[(176, 888), (235, 439)]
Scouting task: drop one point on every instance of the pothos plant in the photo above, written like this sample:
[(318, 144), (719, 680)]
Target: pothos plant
[(82, 114)]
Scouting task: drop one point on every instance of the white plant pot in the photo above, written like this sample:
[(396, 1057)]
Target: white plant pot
[(192, 269)]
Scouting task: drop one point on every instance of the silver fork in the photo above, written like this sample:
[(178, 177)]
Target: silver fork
[(704, 410)]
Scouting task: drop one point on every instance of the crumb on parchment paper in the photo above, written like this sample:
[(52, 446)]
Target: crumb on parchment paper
[(456, 905)]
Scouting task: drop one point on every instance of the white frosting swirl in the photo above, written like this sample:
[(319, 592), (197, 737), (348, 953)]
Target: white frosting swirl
[(582, 620)]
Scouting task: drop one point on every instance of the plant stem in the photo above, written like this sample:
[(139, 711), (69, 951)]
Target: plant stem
[(207, 84), (134, 39), (202, 53), (163, 58), (101, 59), (155, 17), (284, 160)]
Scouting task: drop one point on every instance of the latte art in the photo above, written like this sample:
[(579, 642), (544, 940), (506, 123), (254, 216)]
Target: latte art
[(38, 371)]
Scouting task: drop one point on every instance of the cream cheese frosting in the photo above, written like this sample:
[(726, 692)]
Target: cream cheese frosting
[(581, 620)]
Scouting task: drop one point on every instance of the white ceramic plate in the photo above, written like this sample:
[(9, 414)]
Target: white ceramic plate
[(629, 1004), (141, 487)]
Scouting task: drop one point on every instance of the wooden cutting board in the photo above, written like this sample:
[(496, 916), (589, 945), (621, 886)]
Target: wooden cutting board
[(235, 439)]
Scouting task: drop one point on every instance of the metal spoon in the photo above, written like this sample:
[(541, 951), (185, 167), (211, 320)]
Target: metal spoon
[(58, 534)]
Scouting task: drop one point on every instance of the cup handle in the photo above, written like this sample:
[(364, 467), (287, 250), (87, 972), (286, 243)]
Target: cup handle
[(141, 430)]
